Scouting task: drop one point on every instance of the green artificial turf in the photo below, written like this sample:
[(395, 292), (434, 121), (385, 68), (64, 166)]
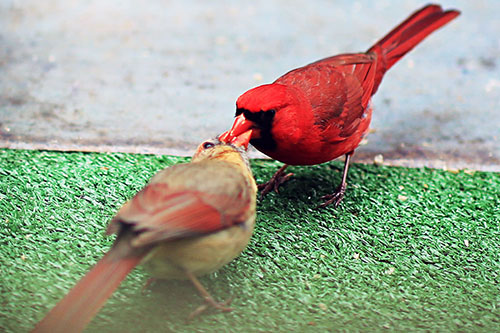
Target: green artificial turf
[(408, 249)]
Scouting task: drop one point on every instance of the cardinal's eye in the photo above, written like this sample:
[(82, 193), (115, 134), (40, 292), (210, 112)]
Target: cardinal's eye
[(207, 145), (268, 115)]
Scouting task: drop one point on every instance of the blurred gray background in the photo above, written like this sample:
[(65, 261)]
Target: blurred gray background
[(160, 76)]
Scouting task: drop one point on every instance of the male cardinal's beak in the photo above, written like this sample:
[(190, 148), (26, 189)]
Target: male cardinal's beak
[(242, 140), (241, 126)]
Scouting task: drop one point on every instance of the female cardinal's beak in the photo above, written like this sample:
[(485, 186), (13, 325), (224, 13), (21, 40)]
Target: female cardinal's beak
[(241, 126)]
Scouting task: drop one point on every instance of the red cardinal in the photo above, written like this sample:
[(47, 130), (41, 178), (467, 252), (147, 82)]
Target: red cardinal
[(319, 112), (190, 220)]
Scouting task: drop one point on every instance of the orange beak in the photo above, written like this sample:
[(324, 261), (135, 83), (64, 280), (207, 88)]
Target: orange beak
[(241, 126), (241, 140)]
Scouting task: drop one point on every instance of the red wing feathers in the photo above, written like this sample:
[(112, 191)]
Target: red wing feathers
[(159, 213), (339, 90), (345, 59)]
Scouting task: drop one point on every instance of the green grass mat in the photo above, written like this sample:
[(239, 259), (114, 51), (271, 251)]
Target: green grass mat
[(408, 249)]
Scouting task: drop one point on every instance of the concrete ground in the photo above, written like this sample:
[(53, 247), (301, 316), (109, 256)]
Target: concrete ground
[(160, 76)]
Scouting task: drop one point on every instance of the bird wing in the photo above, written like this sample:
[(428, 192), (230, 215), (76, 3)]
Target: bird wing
[(339, 90), (176, 205)]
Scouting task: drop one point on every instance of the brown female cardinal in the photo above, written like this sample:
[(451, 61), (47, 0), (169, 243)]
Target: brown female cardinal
[(190, 220), (321, 111)]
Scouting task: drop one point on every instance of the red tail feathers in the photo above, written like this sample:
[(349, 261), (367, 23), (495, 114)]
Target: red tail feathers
[(81, 304), (407, 35)]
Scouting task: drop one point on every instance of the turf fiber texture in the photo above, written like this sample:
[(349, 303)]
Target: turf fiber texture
[(407, 249)]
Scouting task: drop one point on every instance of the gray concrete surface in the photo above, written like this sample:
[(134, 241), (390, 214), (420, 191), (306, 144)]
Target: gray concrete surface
[(160, 76)]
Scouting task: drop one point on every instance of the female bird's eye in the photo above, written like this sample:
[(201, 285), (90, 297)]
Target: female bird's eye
[(207, 145)]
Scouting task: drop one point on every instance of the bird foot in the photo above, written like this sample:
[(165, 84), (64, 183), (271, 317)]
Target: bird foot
[(148, 283), (335, 198), (275, 182), (222, 306)]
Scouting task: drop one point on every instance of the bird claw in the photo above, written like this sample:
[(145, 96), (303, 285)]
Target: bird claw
[(334, 198), (148, 283), (222, 306), (275, 182)]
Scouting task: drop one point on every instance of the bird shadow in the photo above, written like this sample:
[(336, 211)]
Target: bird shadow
[(163, 306), (307, 185)]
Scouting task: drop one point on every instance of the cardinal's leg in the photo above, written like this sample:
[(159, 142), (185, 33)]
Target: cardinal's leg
[(274, 183), (223, 306), (337, 196), (148, 283)]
